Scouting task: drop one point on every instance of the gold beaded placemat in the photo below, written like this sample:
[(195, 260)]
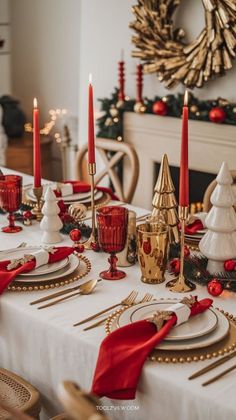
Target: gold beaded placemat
[(81, 271), (226, 345)]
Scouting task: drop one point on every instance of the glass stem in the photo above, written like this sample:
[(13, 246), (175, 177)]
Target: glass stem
[(113, 260), (11, 220)]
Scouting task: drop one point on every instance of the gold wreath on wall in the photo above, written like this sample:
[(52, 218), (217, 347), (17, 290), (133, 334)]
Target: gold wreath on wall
[(163, 50)]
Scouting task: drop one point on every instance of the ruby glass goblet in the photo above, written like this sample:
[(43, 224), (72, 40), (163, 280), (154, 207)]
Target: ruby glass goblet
[(112, 230), (10, 199)]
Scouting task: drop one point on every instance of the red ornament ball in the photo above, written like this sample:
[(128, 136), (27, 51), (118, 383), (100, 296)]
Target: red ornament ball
[(79, 248), (175, 265), (160, 108), (75, 235), (215, 287), (217, 115), (27, 214), (95, 246), (229, 265), (186, 251)]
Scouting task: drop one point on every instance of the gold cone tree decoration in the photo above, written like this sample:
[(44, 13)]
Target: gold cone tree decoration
[(164, 201)]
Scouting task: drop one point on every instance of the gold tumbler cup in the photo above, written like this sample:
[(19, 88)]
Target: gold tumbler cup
[(127, 257), (152, 245)]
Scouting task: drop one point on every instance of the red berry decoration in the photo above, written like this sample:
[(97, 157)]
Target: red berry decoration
[(229, 265), (186, 251), (160, 108), (79, 248), (217, 115), (75, 235), (27, 214), (215, 287), (95, 246), (175, 265)]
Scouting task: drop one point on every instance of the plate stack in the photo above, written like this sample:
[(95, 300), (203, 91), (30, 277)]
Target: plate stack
[(193, 239)]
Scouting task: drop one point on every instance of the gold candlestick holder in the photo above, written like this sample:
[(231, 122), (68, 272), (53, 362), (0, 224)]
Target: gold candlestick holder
[(37, 210), (92, 239), (181, 284)]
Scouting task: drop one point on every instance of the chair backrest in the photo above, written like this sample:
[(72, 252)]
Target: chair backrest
[(121, 150), (207, 195), (78, 404)]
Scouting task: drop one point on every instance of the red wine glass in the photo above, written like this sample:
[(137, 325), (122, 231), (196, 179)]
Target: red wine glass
[(10, 199), (112, 230)]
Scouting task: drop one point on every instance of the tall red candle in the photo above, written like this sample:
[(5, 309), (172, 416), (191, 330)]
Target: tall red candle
[(121, 70), (91, 145), (36, 144), (184, 173), (139, 81)]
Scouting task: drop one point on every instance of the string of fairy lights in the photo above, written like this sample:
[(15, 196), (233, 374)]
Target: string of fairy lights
[(54, 114)]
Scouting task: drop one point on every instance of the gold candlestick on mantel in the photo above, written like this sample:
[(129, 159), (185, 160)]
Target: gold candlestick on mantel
[(92, 239), (37, 210), (181, 284)]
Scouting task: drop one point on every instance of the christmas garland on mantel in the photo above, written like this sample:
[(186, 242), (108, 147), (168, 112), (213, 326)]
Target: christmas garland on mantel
[(110, 124)]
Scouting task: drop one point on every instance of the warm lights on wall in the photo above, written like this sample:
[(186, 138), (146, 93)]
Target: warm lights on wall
[(49, 125)]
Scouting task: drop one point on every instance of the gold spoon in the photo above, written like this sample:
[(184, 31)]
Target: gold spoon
[(85, 289)]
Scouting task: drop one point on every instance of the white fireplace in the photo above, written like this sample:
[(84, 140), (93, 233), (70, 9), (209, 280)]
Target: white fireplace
[(152, 136)]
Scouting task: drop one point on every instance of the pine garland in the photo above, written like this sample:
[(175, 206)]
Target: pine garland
[(110, 125)]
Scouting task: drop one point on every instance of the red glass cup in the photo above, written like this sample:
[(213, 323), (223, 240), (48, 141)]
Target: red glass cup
[(112, 224), (10, 199)]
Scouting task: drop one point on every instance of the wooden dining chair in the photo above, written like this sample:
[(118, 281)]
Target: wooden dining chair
[(207, 195), (121, 151), (78, 404), (17, 397)]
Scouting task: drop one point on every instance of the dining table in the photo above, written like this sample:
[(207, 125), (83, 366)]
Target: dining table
[(45, 348)]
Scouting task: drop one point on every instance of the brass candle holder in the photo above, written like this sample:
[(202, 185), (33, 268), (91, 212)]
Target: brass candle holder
[(92, 239), (181, 284), (37, 210)]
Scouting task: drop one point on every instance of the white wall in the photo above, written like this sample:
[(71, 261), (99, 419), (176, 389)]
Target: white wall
[(5, 58), (105, 31), (45, 59)]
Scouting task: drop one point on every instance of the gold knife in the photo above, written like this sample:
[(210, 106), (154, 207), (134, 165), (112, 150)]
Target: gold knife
[(215, 378), (212, 365)]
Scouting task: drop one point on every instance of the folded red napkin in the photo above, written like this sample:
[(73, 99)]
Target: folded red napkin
[(194, 227), (8, 275), (72, 187), (123, 353)]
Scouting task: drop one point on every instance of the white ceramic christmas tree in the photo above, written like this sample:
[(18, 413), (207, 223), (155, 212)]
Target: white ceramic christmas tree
[(219, 242), (51, 222)]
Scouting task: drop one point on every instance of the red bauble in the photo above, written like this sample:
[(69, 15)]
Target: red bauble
[(75, 235), (186, 251), (160, 108), (229, 265), (217, 115), (95, 246), (215, 287), (79, 248), (27, 214), (175, 265)]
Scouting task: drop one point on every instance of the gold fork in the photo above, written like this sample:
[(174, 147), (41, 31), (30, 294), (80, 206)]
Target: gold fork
[(125, 302), (147, 298)]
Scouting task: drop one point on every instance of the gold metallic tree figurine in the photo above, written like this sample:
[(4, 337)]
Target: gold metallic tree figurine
[(164, 201)]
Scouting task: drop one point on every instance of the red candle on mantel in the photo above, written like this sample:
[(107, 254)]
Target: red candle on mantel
[(184, 173), (121, 68), (91, 145), (139, 81), (36, 144)]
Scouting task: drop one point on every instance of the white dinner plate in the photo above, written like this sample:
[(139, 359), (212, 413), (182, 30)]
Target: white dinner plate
[(72, 197), (40, 271), (97, 196), (221, 330), (196, 326), (65, 271)]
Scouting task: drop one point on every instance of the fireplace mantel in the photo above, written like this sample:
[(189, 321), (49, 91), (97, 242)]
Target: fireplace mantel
[(152, 136)]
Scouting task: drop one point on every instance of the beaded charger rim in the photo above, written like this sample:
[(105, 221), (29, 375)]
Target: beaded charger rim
[(224, 346), (165, 52), (83, 269), (103, 201)]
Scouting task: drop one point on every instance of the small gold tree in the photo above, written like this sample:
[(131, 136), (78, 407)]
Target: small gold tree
[(164, 201)]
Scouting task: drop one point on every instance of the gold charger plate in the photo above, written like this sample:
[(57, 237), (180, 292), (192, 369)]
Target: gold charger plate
[(226, 345), (82, 270)]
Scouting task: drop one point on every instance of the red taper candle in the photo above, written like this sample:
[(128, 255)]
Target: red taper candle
[(184, 173), (121, 75), (91, 145), (36, 144), (139, 81)]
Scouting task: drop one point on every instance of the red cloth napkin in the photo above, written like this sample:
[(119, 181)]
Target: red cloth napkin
[(194, 227), (82, 187), (6, 276), (123, 353)]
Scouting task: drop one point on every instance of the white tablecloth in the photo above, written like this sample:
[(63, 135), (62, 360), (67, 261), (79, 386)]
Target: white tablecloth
[(44, 348)]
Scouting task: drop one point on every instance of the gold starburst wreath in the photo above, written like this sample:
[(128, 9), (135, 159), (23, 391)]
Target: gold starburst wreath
[(164, 51)]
